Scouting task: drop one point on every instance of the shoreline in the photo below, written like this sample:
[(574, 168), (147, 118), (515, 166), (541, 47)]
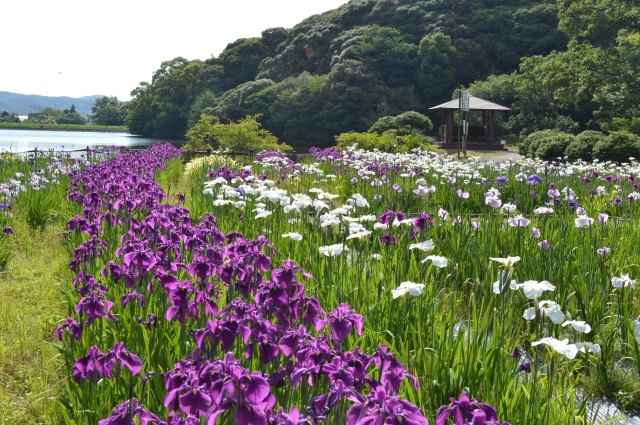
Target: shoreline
[(63, 127)]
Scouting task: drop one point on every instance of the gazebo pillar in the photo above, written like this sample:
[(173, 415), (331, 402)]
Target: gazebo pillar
[(492, 137)]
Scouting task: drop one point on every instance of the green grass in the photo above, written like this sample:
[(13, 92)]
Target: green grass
[(31, 304)]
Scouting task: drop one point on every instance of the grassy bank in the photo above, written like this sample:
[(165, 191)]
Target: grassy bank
[(31, 303), (64, 127)]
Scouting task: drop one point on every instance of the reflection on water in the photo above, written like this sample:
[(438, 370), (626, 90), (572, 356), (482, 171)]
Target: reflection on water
[(17, 141)]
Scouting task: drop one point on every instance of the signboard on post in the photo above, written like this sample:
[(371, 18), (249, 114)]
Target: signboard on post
[(465, 100)]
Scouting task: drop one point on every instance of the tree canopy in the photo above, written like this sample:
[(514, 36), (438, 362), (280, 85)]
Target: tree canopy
[(108, 111), (342, 70)]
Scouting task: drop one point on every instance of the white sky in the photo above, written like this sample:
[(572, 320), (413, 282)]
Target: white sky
[(81, 48)]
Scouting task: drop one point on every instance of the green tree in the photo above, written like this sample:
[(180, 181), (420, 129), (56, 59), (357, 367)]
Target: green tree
[(436, 73), (108, 111), (272, 38), (598, 21), (240, 60), (384, 51), (203, 101), (162, 108), (244, 135)]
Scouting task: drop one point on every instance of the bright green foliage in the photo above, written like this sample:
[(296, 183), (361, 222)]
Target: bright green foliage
[(108, 111), (598, 20), (243, 136), (384, 142)]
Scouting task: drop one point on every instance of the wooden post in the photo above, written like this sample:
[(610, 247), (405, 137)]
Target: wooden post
[(492, 138)]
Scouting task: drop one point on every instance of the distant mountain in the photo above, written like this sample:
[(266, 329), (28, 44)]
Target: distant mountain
[(24, 104)]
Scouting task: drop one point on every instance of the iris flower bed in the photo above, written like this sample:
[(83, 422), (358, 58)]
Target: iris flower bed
[(350, 288)]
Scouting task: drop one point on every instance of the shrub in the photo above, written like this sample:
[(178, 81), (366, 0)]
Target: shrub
[(546, 144), (582, 146), (618, 146), (386, 142), (408, 122), (244, 136)]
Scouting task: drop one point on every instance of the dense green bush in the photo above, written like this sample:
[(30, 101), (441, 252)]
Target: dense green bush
[(245, 135), (546, 144), (406, 123), (554, 148), (618, 146), (582, 146), (384, 142)]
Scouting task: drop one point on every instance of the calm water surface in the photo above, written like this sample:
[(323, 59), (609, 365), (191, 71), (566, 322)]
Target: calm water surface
[(26, 140)]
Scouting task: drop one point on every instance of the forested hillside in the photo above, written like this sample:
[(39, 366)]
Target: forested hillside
[(593, 84), (344, 69)]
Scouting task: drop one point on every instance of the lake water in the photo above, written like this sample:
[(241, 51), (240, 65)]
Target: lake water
[(17, 141)]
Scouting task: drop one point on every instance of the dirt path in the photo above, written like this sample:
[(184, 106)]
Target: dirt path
[(495, 156)]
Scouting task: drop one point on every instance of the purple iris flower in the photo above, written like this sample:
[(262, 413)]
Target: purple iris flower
[(388, 239), (534, 179), (342, 320), (151, 323), (126, 358), (133, 295), (122, 415), (616, 200), (525, 367), (92, 366), (465, 410), (423, 221), (7, 231), (380, 407), (385, 217), (95, 306), (143, 259), (73, 326), (281, 417), (502, 179), (285, 276)]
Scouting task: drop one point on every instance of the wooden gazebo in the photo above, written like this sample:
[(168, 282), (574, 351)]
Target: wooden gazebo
[(479, 136)]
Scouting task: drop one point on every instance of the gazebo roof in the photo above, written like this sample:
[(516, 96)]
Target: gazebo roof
[(475, 104)]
